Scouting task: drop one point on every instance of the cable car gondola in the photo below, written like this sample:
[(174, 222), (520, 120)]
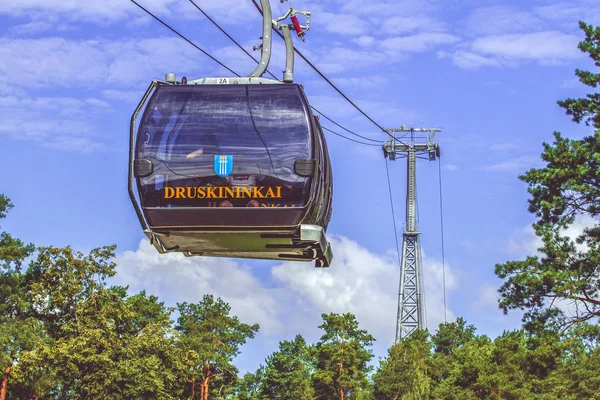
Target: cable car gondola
[(232, 167)]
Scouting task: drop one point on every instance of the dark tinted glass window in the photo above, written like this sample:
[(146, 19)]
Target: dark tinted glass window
[(225, 145)]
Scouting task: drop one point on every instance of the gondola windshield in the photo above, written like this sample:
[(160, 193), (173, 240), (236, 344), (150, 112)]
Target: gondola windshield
[(225, 146)]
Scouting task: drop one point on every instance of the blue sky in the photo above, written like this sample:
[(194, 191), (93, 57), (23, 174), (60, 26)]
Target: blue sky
[(488, 73)]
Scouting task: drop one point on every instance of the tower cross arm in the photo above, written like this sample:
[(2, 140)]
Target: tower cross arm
[(405, 129), (415, 139)]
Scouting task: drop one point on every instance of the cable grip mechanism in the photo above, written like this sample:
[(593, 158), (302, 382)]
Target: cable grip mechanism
[(295, 23)]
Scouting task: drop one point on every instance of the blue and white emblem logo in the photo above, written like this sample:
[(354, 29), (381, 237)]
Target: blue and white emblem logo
[(223, 165)]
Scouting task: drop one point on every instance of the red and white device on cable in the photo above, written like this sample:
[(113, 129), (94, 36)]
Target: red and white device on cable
[(295, 23), (298, 27)]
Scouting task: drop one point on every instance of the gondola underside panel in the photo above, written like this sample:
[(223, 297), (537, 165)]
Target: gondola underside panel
[(307, 244)]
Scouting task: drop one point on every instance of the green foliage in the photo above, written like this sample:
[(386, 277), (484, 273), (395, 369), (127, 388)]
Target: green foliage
[(12, 251), (66, 335), (19, 331), (287, 374), (211, 339), (144, 310), (405, 373), (577, 378), (566, 187), (587, 109), (248, 388), (105, 345), (450, 336), (468, 372), (342, 357), (60, 280), (516, 365)]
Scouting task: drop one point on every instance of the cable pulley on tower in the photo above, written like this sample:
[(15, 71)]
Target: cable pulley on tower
[(419, 140)]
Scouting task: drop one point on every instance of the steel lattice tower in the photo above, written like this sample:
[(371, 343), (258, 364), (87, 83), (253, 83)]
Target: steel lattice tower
[(413, 144)]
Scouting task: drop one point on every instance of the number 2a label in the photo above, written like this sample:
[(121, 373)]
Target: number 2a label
[(222, 80)]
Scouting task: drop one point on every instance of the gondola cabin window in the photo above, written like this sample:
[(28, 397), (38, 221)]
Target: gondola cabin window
[(225, 146)]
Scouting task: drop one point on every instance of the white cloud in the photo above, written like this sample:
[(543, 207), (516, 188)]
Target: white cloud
[(389, 8), (54, 122), (365, 41), (488, 296), (33, 27), (403, 24), (105, 69), (433, 274), (103, 11), (576, 229), (524, 242), (470, 60), (507, 36), (180, 279), (388, 114), (502, 19), (571, 83), (128, 96), (94, 10), (97, 103), (450, 167), (60, 62), (545, 46), (358, 282), (384, 25), (385, 113), (12, 91), (514, 165), (568, 14), (334, 107), (42, 62), (367, 82), (340, 59), (225, 12), (506, 146), (345, 24), (418, 42), (558, 11), (72, 142)]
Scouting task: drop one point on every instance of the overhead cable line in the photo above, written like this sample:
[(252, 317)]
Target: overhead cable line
[(387, 170), (442, 234), (393, 214), (380, 142), (235, 73), (327, 80), (274, 77), (228, 36), (223, 30), (186, 39), (423, 297), (353, 140)]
